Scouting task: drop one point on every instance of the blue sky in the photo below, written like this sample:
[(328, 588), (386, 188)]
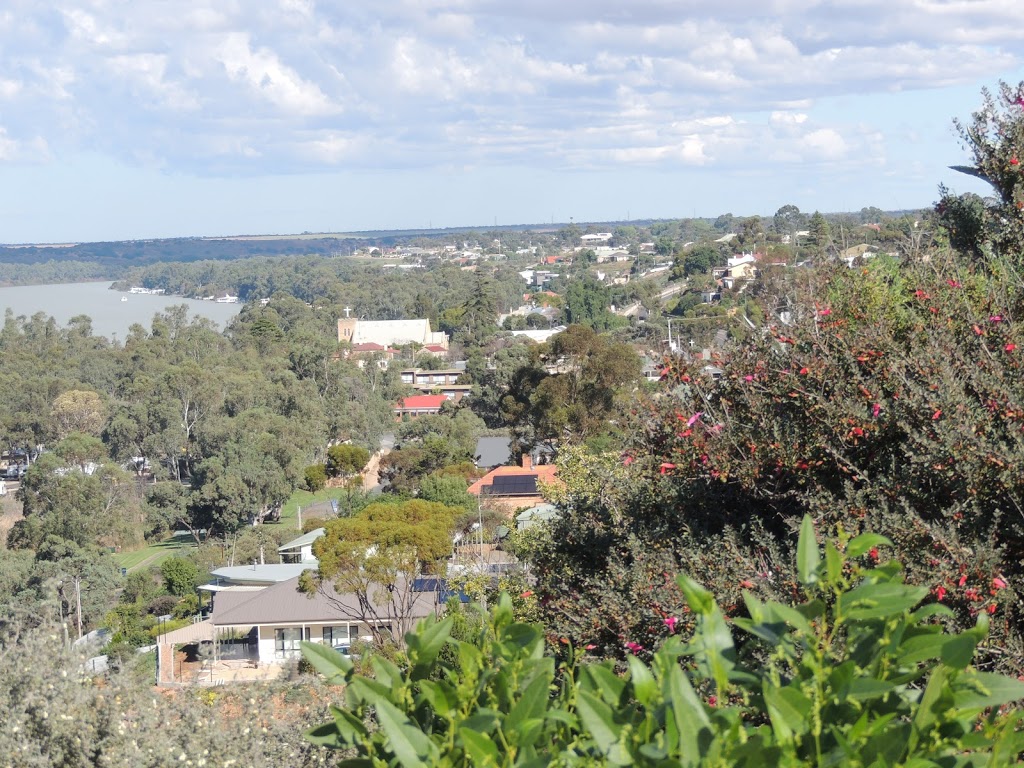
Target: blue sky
[(163, 118)]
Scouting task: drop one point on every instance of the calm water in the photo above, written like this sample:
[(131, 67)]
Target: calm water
[(111, 317)]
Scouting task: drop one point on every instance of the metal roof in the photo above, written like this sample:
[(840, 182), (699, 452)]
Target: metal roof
[(284, 604), (272, 573), (303, 540)]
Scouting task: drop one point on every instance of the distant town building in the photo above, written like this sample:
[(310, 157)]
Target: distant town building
[(389, 333)]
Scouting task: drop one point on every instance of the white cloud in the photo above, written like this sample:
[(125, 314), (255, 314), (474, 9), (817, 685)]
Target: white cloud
[(223, 86)]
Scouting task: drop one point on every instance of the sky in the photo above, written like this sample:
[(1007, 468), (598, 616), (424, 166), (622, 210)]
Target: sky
[(130, 119)]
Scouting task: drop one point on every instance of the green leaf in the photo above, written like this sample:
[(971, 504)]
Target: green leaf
[(385, 671), (327, 661), (429, 641), (863, 544), (958, 651), (439, 695), (833, 563), (699, 599), (598, 721), (986, 689), (926, 714), (410, 745), (788, 709), (604, 680), (644, 687), (878, 600), (689, 715), (866, 688), (531, 704), (480, 749), (349, 726), (807, 556), (326, 735)]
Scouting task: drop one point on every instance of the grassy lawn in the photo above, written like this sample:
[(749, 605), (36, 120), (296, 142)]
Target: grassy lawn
[(289, 512), (155, 553)]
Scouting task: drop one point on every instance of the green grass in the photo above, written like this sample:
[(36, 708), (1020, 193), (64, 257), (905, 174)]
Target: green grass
[(155, 553), (289, 512)]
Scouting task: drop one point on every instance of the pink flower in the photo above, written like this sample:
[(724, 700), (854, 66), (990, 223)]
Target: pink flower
[(825, 312), (996, 319), (693, 419), (666, 466), (953, 283), (875, 410), (940, 592), (627, 460), (634, 647), (1010, 347), (936, 415), (527, 593), (589, 647), (671, 622), (963, 580), (991, 609), (998, 583), (748, 378), (712, 700)]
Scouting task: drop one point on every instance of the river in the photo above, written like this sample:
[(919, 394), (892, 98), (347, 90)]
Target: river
[(111, 317)]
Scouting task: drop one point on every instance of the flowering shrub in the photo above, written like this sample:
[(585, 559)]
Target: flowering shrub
[(857, 674)]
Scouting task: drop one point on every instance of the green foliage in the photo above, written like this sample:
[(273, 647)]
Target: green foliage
[(345, 459), (856, 675), (315, 477), (181, 576), (994, 137)]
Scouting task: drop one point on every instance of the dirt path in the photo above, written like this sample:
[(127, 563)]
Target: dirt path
[(10, 513), (371, 472)]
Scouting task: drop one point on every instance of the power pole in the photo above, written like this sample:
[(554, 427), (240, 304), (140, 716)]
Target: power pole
[(78, 603)]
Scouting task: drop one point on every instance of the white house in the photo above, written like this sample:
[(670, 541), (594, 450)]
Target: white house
[(389, 333)]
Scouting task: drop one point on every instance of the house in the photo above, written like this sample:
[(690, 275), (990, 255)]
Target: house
[(596, 237), (275, 620), (389, 333), (437, 381), (256, 575), (300, 550), (512, 487), (419, 405), (492, 452), (369, 350), (539, 336), (534, 516)]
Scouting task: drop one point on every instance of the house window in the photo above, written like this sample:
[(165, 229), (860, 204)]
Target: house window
[(336, 636), (286, 640)]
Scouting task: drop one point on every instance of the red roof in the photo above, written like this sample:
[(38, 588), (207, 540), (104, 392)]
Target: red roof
[(367, 347), (435, 348), (544, 472), (422, 402)]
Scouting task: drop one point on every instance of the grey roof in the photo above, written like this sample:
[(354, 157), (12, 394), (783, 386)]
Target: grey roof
[(538, 514), (199, 632), (284, 604), (493, 451), (302, 541), (262, 574)]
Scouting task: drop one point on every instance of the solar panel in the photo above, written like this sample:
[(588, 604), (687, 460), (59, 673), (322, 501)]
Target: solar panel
[(514, 485)]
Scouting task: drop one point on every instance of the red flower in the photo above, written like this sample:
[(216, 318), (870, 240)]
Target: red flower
[(953, 283), (1014, 161), (747, 584), (712, 700), (991, 609), (873, 553), (634, 647), (936, 415), (998, 583), (825, 312), (627, 460), (803, 371), (666, 466), (527, 593), (995, 319), (589, 647), (940, 592), (963, 580), (671, 622), (1010, 347), (875, 410)]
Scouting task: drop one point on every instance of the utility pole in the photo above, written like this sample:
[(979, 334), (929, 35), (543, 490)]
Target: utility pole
[(78, 603)]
